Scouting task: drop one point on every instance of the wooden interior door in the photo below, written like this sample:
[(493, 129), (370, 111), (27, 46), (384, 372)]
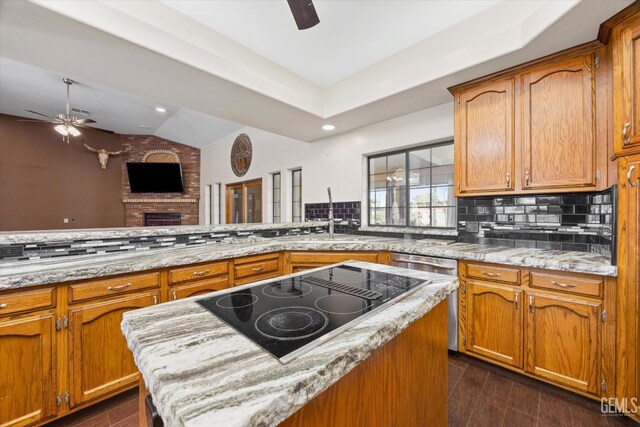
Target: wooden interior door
[(626, 75), (562, 341), (27, 370), (244, 202), (100, 359), (494, 322), (558, 136), (485, 139)]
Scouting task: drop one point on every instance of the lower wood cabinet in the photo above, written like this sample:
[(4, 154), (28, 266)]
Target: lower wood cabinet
[(305, 260), (100, 359), (27, 367), (200, 287), (494, 322), (562, 340)]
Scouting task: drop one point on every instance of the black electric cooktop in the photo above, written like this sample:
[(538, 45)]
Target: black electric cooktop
[(291, 316)]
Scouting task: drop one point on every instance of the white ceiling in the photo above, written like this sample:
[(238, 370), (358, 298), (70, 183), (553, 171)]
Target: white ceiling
[(351, 35), (25, 87), (244, 62)]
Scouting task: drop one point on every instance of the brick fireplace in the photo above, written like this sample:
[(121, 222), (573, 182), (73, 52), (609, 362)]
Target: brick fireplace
[(139, 148)]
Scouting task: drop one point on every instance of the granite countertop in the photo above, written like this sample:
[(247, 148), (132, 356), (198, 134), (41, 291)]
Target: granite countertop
[(21, 274), (209, 374)]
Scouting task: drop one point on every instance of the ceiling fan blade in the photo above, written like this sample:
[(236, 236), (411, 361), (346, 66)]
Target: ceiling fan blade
[(84, 121), (92, 128), (34, 121), (40, 114), (304, 13)]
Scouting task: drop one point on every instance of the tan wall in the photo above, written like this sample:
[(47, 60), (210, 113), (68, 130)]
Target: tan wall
[(43, 180)]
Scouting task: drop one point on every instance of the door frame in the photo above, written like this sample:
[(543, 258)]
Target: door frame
[(240, 185)]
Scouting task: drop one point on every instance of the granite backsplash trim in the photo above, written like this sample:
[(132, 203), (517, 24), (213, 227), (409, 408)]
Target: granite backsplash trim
[(40, 250), (347, 215), (582, 222)]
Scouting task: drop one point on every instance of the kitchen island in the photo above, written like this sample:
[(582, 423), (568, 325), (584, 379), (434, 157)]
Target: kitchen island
[(202, 372)]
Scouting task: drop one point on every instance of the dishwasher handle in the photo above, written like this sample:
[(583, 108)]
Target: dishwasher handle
[(432, 264)]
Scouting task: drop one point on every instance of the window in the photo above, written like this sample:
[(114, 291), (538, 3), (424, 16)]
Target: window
[(296, 195), (413, 188), (277, 182), (207, 205), (219, 202)]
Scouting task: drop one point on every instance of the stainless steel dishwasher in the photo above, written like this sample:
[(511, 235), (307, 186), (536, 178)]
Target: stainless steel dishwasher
[(435, 265)]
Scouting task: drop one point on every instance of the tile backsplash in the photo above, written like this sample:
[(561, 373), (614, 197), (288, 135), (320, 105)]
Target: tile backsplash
[(574, 222), (346, 214)]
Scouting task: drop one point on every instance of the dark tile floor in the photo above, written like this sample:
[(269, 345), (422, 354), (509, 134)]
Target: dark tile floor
[(480, 394)]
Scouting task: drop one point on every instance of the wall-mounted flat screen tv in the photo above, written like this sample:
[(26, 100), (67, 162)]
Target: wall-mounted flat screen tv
[(155, 177)]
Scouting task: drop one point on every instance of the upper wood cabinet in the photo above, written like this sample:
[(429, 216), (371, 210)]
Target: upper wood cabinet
[(485, 138), (626, 87), (558, 125), (534, 129), (27, 395)]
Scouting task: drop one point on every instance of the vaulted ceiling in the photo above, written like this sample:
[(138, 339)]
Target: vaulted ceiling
[(245, 62)]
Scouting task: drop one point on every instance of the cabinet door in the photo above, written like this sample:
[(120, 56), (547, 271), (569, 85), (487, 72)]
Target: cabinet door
[(27, 370), (198, 288), (558, 128), (626, 84), (562, 341), (100, 359), (494, 322), (485, 139)]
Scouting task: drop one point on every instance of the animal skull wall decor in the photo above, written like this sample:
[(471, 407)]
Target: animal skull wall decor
[(103, 155)]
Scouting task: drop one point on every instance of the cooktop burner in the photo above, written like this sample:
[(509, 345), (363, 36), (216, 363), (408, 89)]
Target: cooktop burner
[(286, 317)]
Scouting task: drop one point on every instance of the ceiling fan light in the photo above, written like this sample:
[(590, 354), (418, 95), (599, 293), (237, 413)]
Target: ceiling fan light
[(62, 130), (73, 131)]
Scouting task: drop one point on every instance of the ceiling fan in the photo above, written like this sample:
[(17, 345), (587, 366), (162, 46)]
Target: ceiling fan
[(304, 13), (66, 124)]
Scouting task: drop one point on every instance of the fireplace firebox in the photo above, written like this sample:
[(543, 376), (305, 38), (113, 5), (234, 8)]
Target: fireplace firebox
[(161, 219)]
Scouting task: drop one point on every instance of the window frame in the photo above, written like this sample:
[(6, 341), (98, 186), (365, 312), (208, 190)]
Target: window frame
[(293, 201), (273, 201), (208, 204), (407, 219)]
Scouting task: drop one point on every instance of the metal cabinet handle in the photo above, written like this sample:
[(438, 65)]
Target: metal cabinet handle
[(508, 179), (3, 306), (119, 287), (530, 304), (486, 273), (516, 301), (526, 177), (174, 296), (562, 285), (201, 273), (258, 268), (625, 134), (629, 172), (155, 299), (432, 264)]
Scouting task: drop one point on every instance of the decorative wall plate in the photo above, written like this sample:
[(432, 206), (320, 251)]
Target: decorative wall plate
[(241, 154)]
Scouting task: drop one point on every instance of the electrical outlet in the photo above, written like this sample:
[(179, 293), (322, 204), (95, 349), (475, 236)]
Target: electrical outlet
[(66, 220), (472, 227), (11, 251)]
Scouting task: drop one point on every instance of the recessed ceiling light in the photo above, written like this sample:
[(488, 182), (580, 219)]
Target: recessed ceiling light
[(328, 127), (161, 109)]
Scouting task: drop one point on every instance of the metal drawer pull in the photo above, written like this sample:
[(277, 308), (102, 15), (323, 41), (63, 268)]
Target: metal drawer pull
[(258, 268), (563, 285), (201, 273), (432, 264), (526, 177), (173, 294), (486, 273), (508, 179), (155, 299), (119, 287), (3, 306), (530, 304), (517, 300), (629, 172), (625, 134)]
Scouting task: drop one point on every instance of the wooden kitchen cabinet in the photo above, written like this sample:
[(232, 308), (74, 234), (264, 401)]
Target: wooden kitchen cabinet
[(562, 340), (494, 322), (199, 287), (558, 125), (485, 138), (100, 361), (305, 260), (27, 395), (626, 86)]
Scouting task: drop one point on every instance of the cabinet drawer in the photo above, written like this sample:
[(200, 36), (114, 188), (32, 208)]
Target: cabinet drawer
[(197, 288), (493, 273), (27, 301), (325, 258), (570, 284), (109, 287), (195, 272), (257, 268)]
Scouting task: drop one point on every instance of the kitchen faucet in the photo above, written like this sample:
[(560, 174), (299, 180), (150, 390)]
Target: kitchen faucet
[(331, 221)]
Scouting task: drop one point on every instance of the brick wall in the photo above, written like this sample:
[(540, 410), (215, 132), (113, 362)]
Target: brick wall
[(135, 148)]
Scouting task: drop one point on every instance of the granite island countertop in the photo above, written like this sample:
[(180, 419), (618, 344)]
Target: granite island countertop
[(22, 274), (209, 374)]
